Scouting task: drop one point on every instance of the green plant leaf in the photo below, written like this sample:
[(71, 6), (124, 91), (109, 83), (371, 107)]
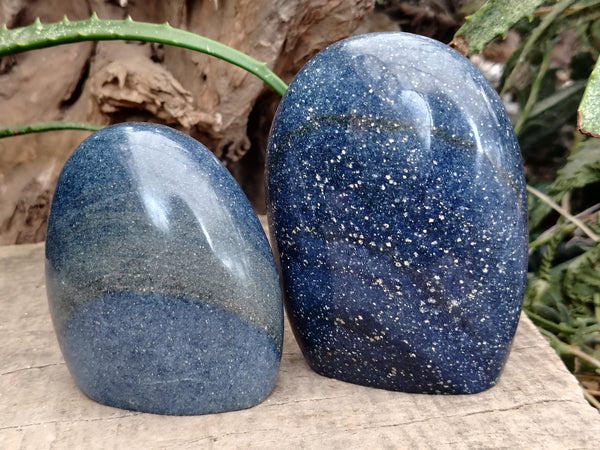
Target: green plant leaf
[(580, 281), (538, 210), (581, 169), (588, 115), (36, 127), (541, 33), (563, 212), (546, 312), (556, 100), (582, 13), (38, 35), (493, 19), (548, 116)]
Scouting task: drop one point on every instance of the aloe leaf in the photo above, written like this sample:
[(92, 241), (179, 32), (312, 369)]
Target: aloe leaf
[(38, 35), (36, 127), (493, 19)]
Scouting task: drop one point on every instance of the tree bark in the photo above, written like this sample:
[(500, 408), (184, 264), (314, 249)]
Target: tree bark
[(110, 82)]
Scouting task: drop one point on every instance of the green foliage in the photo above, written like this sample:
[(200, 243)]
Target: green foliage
[(493, 19), (563, 287), (537, 37), (582, 168), (548, 114)]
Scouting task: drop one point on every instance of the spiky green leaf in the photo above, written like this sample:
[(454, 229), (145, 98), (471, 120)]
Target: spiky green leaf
[(38, 35), (36, 127)]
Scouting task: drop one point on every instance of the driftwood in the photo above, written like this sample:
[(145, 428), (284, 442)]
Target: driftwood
[(110, 82)]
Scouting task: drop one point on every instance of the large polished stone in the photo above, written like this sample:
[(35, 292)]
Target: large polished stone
[(397, 202), (162, 285)]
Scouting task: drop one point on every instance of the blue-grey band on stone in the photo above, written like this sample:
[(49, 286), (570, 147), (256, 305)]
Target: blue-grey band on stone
[(155, 256)]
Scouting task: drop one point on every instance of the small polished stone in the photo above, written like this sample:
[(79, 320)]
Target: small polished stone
[(396, 197), (162, 286)]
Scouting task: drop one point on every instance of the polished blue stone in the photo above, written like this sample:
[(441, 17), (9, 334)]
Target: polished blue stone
[(162, 286), (396, 197)]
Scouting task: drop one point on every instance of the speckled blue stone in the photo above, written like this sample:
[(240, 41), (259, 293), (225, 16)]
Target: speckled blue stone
[(162, 286), (397, 202)]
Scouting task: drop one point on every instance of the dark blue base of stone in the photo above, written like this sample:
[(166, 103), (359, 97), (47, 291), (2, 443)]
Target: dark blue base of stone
[(156, 354), (392, 366), (452, 354)]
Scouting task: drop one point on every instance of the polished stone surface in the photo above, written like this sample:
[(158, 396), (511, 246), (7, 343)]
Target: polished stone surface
[(397, 202), (162, 286)]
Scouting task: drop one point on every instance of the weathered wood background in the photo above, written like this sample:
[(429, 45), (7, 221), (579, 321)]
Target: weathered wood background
[(223, 106)]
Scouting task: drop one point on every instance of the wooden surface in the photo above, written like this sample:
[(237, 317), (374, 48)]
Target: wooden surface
[(537, 403)]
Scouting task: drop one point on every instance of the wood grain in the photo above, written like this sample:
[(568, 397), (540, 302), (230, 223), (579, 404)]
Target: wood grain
[(537, 403)]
